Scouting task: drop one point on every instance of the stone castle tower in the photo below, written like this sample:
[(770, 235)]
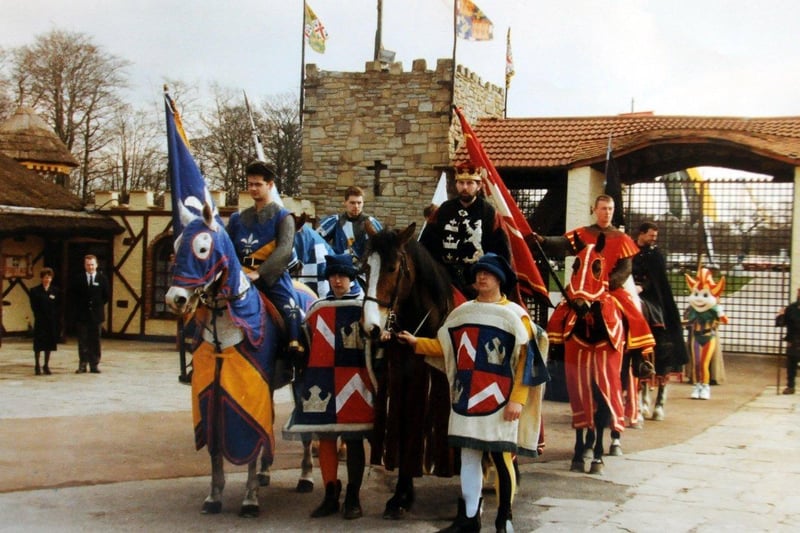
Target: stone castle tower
[(386, 131)]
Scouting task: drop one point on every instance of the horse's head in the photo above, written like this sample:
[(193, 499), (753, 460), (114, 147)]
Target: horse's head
[(389, 277), (205, 265), (704, 292), (589, 279)]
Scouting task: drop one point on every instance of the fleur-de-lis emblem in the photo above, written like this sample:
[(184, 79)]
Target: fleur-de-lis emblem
[(249, 244)]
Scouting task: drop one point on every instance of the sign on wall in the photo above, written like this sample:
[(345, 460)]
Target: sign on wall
[(17, 266)]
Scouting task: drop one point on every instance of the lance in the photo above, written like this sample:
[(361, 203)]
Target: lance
[(256, 138), (549, 266)]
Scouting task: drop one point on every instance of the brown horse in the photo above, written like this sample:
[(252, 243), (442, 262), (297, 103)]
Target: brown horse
[(407, 289)]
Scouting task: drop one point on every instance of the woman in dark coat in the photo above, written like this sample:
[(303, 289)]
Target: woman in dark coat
[(46, 326)]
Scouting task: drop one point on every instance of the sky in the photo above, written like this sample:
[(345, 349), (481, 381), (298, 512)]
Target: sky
[(571, 57)]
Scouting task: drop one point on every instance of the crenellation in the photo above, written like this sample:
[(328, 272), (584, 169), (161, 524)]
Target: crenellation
[(401, 119)]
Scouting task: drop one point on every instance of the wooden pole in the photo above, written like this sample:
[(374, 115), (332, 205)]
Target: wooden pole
[(302, 64), (379, 32)]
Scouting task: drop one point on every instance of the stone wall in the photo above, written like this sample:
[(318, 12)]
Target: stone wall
[(385, 117)]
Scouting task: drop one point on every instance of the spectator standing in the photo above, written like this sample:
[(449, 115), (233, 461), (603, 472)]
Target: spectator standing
[(45, 301), (789, 316), (90, 295)]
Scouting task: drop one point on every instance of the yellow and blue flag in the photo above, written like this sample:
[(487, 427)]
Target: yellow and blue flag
[(472, 24)]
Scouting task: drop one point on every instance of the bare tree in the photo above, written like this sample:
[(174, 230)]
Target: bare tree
[(283, 140), (134, 158), (227, 147), (6, 103), (75, 85)]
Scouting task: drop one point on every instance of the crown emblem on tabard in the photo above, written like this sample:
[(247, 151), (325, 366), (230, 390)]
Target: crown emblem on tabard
[(456, 392), (495, 352), (315, 402), (351, 337)]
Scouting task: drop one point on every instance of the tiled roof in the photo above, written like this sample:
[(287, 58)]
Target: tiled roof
[(572, 142)]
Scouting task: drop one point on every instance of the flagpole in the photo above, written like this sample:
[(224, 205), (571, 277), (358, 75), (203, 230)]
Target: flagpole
[(302, 63), (508, 80), (455, 40), (379, 32)]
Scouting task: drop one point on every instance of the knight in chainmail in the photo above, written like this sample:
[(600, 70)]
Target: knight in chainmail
[(263, 236)]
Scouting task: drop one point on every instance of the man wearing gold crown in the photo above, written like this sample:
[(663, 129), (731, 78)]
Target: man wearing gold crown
[(334, 395), (465, 228)]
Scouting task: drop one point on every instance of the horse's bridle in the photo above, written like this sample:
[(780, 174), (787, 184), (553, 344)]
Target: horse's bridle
[(391, 314), (208, 295)]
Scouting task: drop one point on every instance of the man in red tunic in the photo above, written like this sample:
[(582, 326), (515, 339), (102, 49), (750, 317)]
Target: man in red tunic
[(619, 251)]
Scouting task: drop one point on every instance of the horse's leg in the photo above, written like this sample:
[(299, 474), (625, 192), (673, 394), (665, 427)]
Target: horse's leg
[(250, 503), (306, 482), (577, 457), (661, 399), (644, 397), (264, 473), (602, 419), (588, 444), (615, 448), (213, 502)]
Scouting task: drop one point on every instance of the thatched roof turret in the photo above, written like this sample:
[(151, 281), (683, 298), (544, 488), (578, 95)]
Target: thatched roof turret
[(28, 139)]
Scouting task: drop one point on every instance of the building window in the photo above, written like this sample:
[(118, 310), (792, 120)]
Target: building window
[(163, 256)]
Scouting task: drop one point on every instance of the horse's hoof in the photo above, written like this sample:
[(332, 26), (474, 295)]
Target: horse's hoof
[(211, 508), (658, 413), (576, 466), (249, 511), (304, 486), (596, 467), (263, 479), (615, 449)]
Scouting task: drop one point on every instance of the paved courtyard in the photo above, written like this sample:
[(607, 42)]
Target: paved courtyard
[(115, 452)]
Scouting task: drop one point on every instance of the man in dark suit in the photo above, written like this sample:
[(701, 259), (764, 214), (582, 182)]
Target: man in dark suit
[(90, 293)]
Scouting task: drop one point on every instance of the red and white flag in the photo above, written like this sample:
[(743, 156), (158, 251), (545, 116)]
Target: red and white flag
[(514, 222)]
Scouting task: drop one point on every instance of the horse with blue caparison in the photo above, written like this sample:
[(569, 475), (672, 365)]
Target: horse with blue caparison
[(237, 359)]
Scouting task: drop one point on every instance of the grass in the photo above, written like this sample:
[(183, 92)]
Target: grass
[(733, 282)]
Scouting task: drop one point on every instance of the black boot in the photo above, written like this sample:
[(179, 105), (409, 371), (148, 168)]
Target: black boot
[(463, 523), (36, 369), (330, 505), (502, 524), (352, 504)]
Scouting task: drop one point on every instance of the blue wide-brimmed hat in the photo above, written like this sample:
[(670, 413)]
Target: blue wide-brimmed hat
[(340, 264), (497, 265)]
